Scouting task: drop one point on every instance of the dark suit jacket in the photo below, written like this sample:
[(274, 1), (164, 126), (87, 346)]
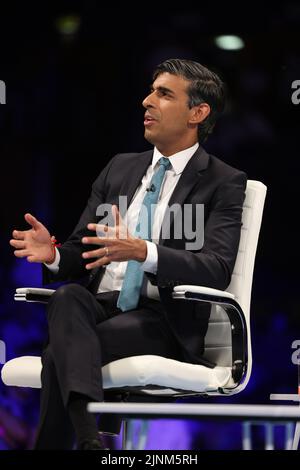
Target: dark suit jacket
[(205, 180)]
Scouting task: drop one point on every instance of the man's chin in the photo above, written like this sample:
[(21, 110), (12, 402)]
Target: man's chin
[(150, 138)]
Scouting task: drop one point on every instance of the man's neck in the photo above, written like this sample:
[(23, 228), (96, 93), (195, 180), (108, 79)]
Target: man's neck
[(168, 152)]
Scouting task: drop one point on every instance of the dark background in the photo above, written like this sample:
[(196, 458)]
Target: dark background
[(74, 100)]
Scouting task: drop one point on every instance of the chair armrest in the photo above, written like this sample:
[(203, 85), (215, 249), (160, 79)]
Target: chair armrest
[(207, 291), (236, 317), (33, 294), (205, 294)]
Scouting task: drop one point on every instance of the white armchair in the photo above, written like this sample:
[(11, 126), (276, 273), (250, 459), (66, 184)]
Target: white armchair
[(227, 342)]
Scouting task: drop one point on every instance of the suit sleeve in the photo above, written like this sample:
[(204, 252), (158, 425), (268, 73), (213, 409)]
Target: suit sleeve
[(72, 265), (211, 266)]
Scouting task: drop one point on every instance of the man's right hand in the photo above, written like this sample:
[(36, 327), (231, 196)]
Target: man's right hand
[(35, 244)]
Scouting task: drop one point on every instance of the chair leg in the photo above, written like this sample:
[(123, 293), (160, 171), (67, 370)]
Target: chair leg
[(133, 437), (296, 436), (128, 434), (143, 434), (247, 438), (269, 433), (124, 435), (288, 443), (131, 434)]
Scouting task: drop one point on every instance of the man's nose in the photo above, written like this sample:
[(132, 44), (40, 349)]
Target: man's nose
[(148, 102)]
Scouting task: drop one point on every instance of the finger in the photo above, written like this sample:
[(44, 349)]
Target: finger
[(99, 227), (31, 220), (106, 230), (102, 230), (100, 262), (33, 259), (120, 224), (18, 235), (94, 253), (17, 243), (99, 241), (91, 241), (93, 226), (22, 253), (116, 215)]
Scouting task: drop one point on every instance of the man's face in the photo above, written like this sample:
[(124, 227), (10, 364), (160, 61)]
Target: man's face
[(167, 117)]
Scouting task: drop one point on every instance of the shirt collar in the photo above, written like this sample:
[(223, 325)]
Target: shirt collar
[(179, 160)]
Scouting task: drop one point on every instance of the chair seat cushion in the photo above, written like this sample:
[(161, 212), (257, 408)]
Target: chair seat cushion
[(22, 371), (135, 371)]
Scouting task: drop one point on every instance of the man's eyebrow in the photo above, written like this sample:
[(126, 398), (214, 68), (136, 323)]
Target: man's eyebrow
[(162, 89)]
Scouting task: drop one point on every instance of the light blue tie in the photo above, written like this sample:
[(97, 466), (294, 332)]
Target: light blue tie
[(133, 279)]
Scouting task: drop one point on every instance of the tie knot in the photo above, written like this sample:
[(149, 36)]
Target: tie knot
[(165, 162)]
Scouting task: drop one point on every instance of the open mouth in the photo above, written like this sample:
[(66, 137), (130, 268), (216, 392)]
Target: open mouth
[(148, 121)]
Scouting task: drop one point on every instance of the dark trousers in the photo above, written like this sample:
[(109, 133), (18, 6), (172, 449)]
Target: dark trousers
[(85, 333)]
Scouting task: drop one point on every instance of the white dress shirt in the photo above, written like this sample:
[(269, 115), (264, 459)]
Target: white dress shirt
[(113, 276)]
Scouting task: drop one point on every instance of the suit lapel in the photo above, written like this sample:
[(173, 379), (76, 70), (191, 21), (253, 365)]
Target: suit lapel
[(189, 178), (131, 183)]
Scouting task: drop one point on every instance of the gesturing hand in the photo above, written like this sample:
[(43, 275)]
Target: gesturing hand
[(35, 244), (119, 244)]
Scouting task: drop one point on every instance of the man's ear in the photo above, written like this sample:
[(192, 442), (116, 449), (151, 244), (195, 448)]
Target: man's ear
[(199, 113)]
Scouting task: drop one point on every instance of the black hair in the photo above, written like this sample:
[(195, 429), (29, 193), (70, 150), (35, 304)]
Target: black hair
[(205, 87)]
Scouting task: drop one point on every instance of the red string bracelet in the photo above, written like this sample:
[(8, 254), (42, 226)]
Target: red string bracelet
[(54, 245), (54, 241)]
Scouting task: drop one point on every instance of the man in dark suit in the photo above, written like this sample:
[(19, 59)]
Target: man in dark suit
[(123, 304)]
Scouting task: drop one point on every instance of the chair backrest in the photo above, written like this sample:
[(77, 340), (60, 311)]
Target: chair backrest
[(218, 337), (241, 280)]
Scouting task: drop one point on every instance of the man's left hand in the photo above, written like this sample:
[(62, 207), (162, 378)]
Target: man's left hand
[(117, 244)]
